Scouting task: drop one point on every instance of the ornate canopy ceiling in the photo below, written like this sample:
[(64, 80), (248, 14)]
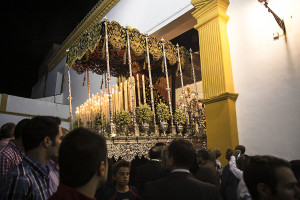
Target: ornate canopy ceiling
[(88, 53)]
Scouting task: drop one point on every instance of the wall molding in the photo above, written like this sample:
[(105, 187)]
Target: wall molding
[(221, 97)]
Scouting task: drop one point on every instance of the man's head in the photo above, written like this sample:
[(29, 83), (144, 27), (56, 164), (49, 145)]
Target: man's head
[(120, 172), (155, 152), (181, 154), (228, 154), (7, 130), (202, 156), (242, 148), (19, 128), (217, 153), (268, 177), (295, 166), (41, 131), (82, 156)]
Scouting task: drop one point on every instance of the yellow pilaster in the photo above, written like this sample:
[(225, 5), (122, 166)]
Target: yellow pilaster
[(217, 80)]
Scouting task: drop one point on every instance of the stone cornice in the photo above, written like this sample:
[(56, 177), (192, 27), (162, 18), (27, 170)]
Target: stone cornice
[(27, 115), (93, 17), (221, 97), (206, 10)]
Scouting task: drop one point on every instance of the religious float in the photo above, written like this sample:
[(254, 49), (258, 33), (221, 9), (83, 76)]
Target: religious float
[(132, 114)]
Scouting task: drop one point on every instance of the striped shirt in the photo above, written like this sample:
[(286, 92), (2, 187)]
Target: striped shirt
[(28, 180), (53, 176), (10, 155)]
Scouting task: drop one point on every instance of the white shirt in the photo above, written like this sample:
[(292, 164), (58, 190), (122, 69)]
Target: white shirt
[(242, 190)]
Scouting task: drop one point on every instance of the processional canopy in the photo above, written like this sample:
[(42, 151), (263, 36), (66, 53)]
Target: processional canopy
[(88, 52)]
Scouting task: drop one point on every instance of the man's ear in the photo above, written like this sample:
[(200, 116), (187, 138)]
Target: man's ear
[(102, 169), (263, 190), (47, 142), (170, 161)]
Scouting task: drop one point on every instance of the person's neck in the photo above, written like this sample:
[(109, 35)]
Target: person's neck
[(122, 188), (18, 142), (40, 155), (88, 189)]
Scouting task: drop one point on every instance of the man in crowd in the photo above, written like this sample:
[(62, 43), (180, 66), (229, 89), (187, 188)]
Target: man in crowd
[(6, 133), (180, 184), (13, 152), (241, 191), (41, 139), (150, 171), (207, 172), (83, 165), (120, 174), (268, 177)]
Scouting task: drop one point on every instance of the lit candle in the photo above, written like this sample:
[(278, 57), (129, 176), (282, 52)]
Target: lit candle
[(144, 92), (117, 99), (138, 89), (125, 95)]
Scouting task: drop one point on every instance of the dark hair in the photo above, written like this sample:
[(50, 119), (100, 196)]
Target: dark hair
[(159, 144), (36, 129), (295, 166), (7, 130), (56, 119), (19, 128), (182, 152), (80, 154), (218, 153), (229, 153), (155, 152), (242, 148), (117, 165), (262, 169), (203, 153)]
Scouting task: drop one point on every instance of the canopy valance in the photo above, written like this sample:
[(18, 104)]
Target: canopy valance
[(88, 53)]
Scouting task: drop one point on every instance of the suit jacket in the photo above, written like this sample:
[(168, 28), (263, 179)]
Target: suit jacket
[(180, 186), (150, 171), (207, 173)]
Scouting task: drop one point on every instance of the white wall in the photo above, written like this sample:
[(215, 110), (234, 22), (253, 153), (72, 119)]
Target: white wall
[(148, 16), (18, 108), (266, 76)]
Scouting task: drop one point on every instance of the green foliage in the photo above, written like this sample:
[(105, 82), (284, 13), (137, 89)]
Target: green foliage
[(100, 123), (77, 123), (123, 118), (179, 117), (163, 112), (144, 113)]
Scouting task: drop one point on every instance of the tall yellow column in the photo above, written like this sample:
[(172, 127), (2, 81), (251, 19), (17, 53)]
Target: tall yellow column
[(218, 89)]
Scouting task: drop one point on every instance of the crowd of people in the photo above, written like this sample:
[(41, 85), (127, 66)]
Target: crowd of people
[(40, 160)]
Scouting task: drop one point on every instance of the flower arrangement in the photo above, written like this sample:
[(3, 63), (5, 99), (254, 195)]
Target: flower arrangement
[(144, 113), (123, 118), (179, 117), (100, 121), (162, 111)]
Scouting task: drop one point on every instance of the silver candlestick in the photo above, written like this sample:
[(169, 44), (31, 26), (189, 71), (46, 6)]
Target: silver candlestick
[(173, 130), (151, 86), (108, 78), (135, 125), (182, 86)]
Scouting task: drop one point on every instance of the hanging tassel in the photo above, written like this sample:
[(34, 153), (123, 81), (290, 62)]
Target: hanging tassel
[(101, 83), (103, 50), (162, 67), (144, 66), (124, 57), (83, 79), (64, 79)]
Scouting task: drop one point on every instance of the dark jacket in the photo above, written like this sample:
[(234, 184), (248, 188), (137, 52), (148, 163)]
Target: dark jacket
[(150, 171), (180, 186)]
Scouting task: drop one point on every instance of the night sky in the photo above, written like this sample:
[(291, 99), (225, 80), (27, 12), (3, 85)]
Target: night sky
[(28, 30)]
